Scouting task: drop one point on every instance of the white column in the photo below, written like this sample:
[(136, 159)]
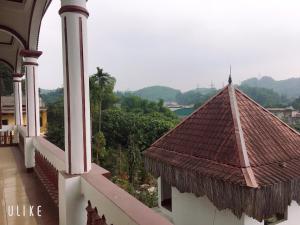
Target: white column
[(32, 93), (17, 79), (76, 86)]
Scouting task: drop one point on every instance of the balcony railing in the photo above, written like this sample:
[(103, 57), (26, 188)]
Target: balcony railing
[(22, 135), (6, 138), (93, 217), (106, 203)]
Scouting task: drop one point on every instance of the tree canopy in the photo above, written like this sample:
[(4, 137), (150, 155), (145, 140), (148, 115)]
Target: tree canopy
[(6, 80), (265, 97), (101, 95), (129, 124)]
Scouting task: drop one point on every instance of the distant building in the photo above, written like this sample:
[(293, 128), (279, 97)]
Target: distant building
[(230, 163), (8, 112), (288, 115), (184, 112), (181, 111), (172, 105)]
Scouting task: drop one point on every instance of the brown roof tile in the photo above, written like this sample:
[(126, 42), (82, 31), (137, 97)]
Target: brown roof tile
[(230, 139), (211, 134)]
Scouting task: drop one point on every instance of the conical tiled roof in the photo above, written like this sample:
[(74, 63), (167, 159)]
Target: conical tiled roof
[(230, 140)]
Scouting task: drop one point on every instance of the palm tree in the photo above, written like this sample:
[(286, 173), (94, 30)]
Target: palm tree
[(102, 82)]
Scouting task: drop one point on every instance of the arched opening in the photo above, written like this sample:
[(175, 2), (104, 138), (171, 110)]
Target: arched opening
[(22, 42), (5, 63)]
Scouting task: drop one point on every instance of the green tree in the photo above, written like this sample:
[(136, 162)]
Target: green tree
[(118, 125), (296, 103), (6, 80), (126, 130), (99, 147), (265, 97), (55, 130), (135, 104), (52, 96), (134, 158), (101, 88)]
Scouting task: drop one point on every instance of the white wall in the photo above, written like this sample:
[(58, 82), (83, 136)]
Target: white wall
[(187, 209), (293, 215), (251, 221), (292, 219)]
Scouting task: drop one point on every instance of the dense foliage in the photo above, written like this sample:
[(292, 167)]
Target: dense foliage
[(288, 87), (101, 95), (122, 127), (196, 96), (6, 81), (55, 114), (265, 97), (52, 96), (296, 103), (118, 125), (155, 93)]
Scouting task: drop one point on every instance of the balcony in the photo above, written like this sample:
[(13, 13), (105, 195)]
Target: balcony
[(46, 186), (20, 188), (68, 187)]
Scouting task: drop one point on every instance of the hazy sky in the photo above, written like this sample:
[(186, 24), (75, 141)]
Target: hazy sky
[(181, 43)]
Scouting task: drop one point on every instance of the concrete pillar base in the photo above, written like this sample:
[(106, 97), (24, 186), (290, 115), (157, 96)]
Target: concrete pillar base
[(29, 153), (16, 134), (71, 201)]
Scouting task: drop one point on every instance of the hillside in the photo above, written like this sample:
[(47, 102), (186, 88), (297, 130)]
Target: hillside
[(288, 87), (51, 96), (155, 93), (195, 96), (265, 97), (266, 91)]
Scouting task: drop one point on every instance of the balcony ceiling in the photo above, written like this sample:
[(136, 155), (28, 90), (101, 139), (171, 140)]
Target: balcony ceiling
[(20, 22)]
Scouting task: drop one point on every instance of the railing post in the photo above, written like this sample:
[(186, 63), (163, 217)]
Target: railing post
[(97, 219), (71, 201), (10, 137), (90, 212), (5, 138), (1, 137)]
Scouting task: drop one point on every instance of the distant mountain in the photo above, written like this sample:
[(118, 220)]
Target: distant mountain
[(289, 87), (195, 96), (265, 97), (203, 91), (45, 91), (51, 96), (155, 93)]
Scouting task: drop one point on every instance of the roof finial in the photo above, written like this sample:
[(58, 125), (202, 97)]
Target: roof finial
[(230, 79)]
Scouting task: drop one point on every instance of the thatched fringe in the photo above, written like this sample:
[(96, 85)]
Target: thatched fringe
[(259, 203)]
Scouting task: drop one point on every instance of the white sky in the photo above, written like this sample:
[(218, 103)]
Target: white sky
[(181, 43)]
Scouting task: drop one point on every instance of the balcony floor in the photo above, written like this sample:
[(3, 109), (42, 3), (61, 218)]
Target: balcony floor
[(20, 188)]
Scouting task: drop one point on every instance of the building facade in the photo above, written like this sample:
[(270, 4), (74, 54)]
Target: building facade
[(288, 114), (8, 113)]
